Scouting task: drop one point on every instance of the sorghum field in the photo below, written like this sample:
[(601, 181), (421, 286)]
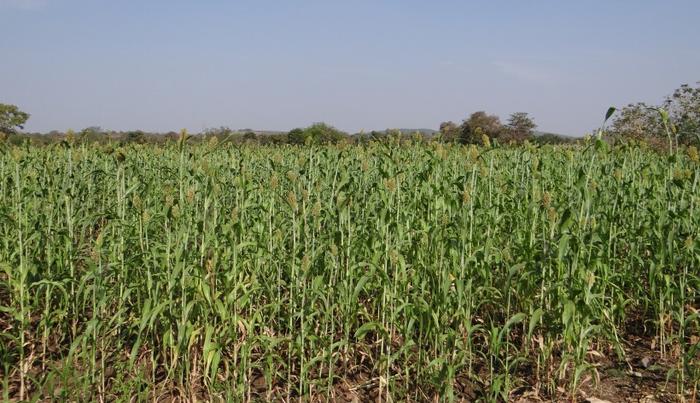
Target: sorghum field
[(392, 272)]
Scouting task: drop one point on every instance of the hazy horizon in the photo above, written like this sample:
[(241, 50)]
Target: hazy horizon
[(372, 65)]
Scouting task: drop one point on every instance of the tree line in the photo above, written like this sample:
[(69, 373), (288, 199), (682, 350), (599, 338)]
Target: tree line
[(473, 130), (482, 128), (678, 116)]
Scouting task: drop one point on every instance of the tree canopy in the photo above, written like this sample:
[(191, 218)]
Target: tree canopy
[(317, 133), (449, 131), (479, 124), (520, 126), (640, 121), (684, 109), (12, 118)]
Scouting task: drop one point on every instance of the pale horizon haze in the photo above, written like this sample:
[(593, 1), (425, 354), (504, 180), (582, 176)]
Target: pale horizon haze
[(275, 65)]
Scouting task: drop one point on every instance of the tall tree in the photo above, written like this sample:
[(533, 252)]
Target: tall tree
[(11, 118), (637, 121), (520, 126), (684, 109), (449, 131), (322, 133), (644, 122), (296, 136), (480, 123)]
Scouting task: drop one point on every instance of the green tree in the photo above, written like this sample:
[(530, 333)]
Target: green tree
[(449, 131), (637, 121), (644, 122), (520, 127), (683, 107), (249, 135), (322, 133), (11, 118), (296, 136), (136, 136), (92, 133), (317, 133), (479, 124), (219, 132)]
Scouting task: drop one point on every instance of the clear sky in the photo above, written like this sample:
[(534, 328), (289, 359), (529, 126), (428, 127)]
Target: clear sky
[(163, 65)]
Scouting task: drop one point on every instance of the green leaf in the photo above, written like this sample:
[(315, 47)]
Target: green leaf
[(568, 313), (566, 220), (609, 113), (563, 247), (362, 331), (514, 320), (360, 285), (534, 320)]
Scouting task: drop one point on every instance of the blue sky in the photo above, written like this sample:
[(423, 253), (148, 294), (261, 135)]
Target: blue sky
[(361, 64)]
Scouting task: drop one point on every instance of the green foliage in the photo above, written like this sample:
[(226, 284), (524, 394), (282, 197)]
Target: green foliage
[(135, 136), (11, 118), (637, 121), (684, 109), (296, 136), (550, 138), (478, 125), (386, 271), (643, 122), (449, 132), (318, 133), (520, 127)]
